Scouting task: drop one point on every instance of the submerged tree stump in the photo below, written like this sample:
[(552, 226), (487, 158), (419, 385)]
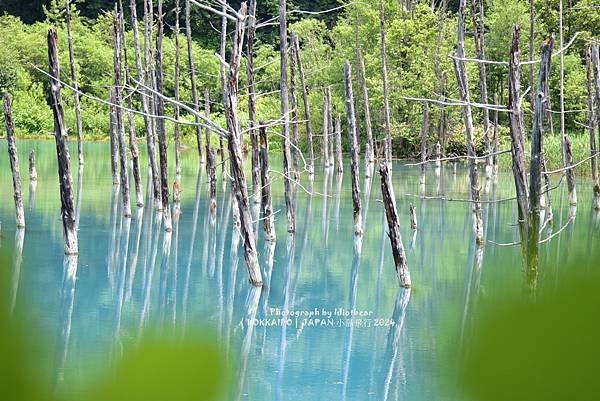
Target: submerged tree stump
[(389, 202), (413, 217), (354, 150), (266, 204), (62, 150), (33, 176), (13, 158)]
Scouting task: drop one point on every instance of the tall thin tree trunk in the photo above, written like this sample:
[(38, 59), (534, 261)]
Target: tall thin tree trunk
[(307, 116), (369, 151), (160, 123), (324, 144), (354, 150), (463, 85), (120, 126), (192, 72), (592, 128), (133, 146), (13, 157), (252, 101), (235, 154), (283, 85), (384, 77), (294, 114), (531, 51), (267, 206), (442, 122), (595, 65), (177, 130), (339, 161), (223, 81), (74, 83), (207, 115), (62, 150)]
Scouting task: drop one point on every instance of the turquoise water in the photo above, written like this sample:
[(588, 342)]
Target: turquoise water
[(131, 278)]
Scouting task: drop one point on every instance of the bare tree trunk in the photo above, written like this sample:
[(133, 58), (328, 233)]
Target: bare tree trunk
[(384, 77), (177, 130), (114, 147), (592, 129), (495, 137), (212, 181), (463, 85), (478, 30), (338, 141), (223, 83), (235, 154), (389, 203), (13, 157), (531, 51), (566, 142), (120, 127), (354, 149), (267, 206), (143, 77), (543, 83), (324, 144), (32, 170), (413, 217), (595, 66), (369, 151), (252, 101), (424, 131), (74, 83), (442, 122), (62, 150), (517, 129), (283, 85), (307, 117), (192, 72), (160, 123), (294, 113), (133, 146)]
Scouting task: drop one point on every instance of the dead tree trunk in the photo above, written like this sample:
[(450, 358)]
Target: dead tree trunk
[(442, 122), (294, 113), (160, 123), (223, 83), (324, 144), (285, 129), (212, 181), (535, 187), (495, 137), (570, 171), (142, 77), (593, 78), (114, 145), (307, 117), (267, 206), (478, 30), (177, 130), (74, 83), (62, 150), (369, 151), (424, 131), (235, 154), (207, 115), (463, 86), (120, 127), (517, 129), (133, 146), (32, 170), (438, 156), (192, 72), (13, 157), (384, 77), (531, 51), (252, 101), (338, 142), (389, 203), (354, 149)]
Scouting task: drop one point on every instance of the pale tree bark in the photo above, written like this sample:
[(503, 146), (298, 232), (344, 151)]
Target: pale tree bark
[(74, 83), (595, 65), (463, 86), (384, 77), (354, 150), (294, 114), (32, 170), (235, 154), (177, 130), (307, 116), (62, 150), (592, 129), (339, 161), (369, 151), (266, 204), (160, 123), (283, 85), (192, 72), (252, 101), (13, 158)]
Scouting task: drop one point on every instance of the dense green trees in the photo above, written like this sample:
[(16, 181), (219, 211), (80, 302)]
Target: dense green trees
[(326, 41)]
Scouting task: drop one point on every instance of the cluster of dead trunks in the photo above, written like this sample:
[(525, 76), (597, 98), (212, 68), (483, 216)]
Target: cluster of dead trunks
[(148, 81)]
